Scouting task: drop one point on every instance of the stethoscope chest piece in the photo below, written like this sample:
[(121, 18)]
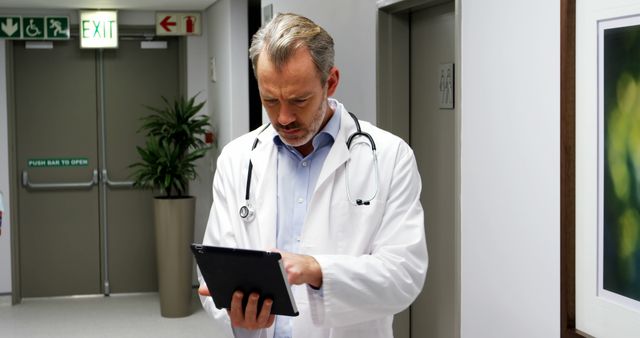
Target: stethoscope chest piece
[(247, 213)]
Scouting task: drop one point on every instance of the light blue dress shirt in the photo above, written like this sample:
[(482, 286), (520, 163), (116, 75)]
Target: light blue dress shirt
[(297, 177)]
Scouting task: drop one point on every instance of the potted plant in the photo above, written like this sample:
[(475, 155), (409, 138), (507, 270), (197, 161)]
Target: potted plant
[(167, 164)]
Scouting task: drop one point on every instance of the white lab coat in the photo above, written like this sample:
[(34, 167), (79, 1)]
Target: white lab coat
[(373, 258)]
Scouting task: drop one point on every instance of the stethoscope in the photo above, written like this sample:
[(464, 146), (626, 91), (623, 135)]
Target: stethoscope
[(247, 211)]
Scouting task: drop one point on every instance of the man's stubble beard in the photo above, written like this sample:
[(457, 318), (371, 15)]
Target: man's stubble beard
[(313, 129)]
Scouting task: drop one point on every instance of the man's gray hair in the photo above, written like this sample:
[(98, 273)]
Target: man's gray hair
[(287, 32)]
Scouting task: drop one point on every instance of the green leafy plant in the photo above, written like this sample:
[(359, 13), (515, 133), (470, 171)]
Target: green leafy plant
[(174, 142)]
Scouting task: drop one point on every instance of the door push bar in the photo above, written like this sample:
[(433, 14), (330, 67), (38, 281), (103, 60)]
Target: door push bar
[(55, 186), (76, 185), (115, 184)]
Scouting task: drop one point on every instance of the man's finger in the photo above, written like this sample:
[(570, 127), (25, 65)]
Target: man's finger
[(237, 312), (251, 311), (265, 312), (203, 290)]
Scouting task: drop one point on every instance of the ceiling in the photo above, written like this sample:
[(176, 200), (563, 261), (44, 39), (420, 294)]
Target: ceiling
[(166, 5)]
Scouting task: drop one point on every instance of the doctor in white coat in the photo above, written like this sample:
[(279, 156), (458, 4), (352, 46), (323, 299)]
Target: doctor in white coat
[(347, 218)]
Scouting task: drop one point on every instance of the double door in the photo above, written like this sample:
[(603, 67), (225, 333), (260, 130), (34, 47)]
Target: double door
[(83, 228)]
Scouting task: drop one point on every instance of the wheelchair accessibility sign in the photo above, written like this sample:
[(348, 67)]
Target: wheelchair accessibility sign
[(34, 28)]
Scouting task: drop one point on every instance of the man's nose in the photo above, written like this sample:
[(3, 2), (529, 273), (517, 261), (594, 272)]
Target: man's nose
[(286, 115)]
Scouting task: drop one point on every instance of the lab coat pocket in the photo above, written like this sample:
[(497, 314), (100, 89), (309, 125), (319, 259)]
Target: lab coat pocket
[(356, 225)]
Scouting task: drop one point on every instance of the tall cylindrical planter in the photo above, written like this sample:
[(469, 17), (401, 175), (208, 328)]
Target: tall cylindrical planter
[(174, 223)]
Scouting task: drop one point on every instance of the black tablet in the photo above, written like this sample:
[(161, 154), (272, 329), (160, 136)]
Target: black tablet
[(226, 270)]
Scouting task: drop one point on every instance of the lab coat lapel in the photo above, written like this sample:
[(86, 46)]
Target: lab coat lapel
[(339, 153), (264, 159)]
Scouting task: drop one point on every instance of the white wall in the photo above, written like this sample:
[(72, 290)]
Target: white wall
[(228, 45), (510, 127), (352, 24), (197, 83), (225, 40)]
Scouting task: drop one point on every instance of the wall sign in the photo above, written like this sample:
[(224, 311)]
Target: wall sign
[(178, 23), (98, 29), (58, 162), (34, 27), (445, 86)]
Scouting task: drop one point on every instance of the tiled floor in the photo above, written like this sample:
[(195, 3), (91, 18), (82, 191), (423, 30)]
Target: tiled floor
[(115, 316)]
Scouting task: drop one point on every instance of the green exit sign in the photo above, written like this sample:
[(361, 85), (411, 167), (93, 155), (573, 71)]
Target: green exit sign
[(57, 27), (34, 27), (98, 29)]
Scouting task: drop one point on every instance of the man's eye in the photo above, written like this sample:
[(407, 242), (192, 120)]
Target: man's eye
[(300, 101), (270, 102)]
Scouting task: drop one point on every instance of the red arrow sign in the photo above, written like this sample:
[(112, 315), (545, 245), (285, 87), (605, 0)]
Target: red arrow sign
[(166, 24)]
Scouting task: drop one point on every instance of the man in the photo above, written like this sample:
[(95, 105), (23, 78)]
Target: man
[(349, 226)]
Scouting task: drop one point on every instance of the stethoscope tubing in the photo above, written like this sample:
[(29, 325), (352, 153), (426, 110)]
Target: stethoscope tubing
[(247, 211)]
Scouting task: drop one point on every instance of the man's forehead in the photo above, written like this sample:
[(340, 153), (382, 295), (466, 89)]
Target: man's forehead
[(299, 56)]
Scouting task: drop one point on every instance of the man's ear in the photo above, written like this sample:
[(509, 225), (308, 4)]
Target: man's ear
[(332, 81)]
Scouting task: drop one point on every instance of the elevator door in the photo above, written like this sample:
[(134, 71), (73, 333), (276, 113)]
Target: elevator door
[(433, 141), (83, 228)]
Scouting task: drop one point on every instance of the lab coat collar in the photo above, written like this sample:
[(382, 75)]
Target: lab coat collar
[(339, 153), (264, 159)]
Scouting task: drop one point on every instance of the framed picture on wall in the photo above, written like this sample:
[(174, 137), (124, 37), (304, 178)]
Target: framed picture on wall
[(619, 161), (607, 170)]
